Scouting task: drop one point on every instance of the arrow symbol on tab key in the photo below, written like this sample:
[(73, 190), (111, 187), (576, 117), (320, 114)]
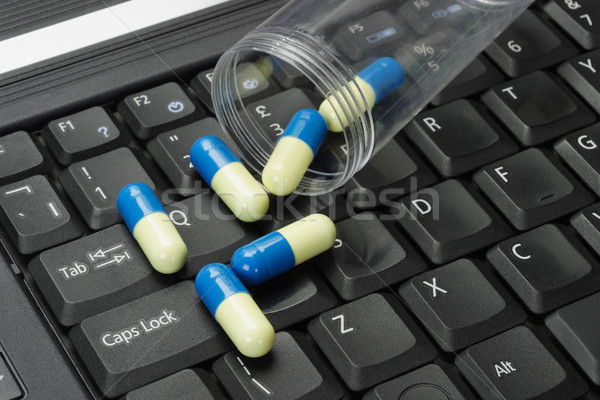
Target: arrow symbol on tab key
[(102, 253), (117, 259)]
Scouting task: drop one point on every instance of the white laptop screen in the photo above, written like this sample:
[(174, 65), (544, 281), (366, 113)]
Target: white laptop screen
[(93, 28)]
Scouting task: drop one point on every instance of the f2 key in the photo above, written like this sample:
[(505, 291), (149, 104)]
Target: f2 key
[(158, 109)]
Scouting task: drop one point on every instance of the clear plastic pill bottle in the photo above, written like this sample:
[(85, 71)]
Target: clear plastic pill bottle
[(312, 49)]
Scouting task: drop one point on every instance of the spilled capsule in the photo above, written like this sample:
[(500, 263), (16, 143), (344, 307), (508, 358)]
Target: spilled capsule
[(151, 227), (228, 177), (375, 82), (294, 152), (279, 251), (234, 309)]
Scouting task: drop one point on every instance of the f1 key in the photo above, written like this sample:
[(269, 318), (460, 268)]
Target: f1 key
[(34, 215), (82, 135)]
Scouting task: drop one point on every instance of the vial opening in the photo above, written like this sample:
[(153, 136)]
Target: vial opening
[(274, 66)]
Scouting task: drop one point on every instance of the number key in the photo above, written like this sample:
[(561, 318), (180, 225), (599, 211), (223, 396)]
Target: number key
[(93, 185), (528, 45), (273, 113), (580, 18)]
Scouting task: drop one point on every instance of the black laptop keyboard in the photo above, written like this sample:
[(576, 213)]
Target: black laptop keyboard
[(466, 264)]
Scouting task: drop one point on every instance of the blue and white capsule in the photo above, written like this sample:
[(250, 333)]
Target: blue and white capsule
[(294, 151), (282, 250), (375, 83), (228, 177), (234, 309), (151, 227)]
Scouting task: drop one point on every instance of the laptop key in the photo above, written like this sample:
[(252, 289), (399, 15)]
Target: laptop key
[(211, 232), (583, 74), (292, 370), (580, 150), (587, 223), (537, 108), (547, 267), (159, 109), (449, 220), (34, 215), (171, 151), (577, 329), (367, 35), (285, 210), (368, 255), (527, 45), (148, 339), (9, 386), (371, 340), (430, 382), (580, 18), (272, 114), (93, 185), (443, 300), (189, 384), (531, 188), (293, 297), (202, 87), (288, 76), (93, 274), (20, 157), (395, 171), (84, 134), (478, 76), (459, 137), (519, 365)]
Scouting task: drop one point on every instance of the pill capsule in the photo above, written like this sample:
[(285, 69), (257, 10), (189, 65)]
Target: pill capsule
[(294, 152), (375, 82), (226, 175), (234, 309), (283, 249), (151, 227)]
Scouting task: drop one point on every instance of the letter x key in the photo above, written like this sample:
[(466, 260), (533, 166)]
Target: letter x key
[(434, 287)]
